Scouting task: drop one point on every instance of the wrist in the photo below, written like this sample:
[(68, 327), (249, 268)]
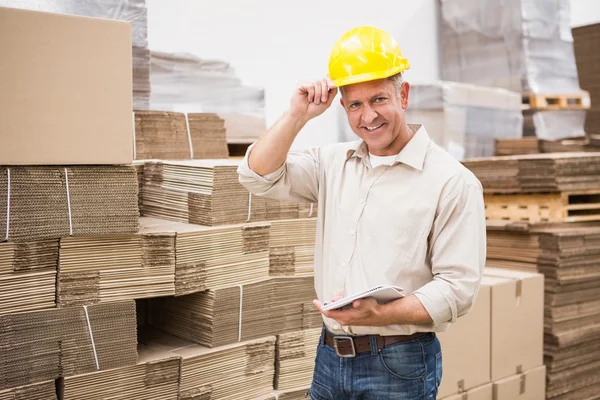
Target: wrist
[(382, 314), (298, 121)]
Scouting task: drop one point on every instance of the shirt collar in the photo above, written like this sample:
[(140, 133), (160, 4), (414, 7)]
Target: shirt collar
[(413, 154)]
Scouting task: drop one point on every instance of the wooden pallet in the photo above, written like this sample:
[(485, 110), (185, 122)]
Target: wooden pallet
[(576, 206), (568, 101)]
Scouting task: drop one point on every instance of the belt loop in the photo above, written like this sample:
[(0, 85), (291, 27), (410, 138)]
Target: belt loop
[(322, 338), (373, 342)]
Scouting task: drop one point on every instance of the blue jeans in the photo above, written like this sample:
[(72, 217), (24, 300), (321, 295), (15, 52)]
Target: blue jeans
[(410, 370)]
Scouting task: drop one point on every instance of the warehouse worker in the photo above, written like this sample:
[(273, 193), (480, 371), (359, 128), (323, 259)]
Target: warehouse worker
[(393, 208)]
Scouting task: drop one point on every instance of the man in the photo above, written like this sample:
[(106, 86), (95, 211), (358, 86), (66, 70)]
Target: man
[(393, 208)]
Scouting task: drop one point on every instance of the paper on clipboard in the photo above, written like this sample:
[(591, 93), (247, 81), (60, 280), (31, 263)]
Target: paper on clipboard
[(381, 293)]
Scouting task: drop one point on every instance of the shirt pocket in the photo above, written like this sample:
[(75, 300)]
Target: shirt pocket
[(391, 243)]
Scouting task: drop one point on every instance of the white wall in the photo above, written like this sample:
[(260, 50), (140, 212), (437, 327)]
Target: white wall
[(585, 12), (276, 43)]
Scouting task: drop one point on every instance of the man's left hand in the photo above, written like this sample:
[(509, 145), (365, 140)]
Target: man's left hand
[(363, 312)]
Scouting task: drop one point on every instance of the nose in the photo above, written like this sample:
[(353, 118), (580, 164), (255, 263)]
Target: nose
[(369, 115)]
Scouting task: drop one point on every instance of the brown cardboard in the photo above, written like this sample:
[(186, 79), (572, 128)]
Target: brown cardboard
[(517, 326), (66, 87), (479, 393), (530, 385), (466, 348)]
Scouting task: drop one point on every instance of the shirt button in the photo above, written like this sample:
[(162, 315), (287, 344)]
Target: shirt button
[(336, 326), (352, 232), (343, 265), (361, 201)]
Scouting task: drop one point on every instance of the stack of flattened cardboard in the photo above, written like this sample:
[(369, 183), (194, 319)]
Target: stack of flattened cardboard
[(537, 172), (38, 391), (174, 136), (154, 377), (217, 317), (215, 257), (161, 135), (207, 132), (28, 275), (223, 316), (567, 257), (139, 169), (44, 345), (511, 147), (119, 267), (207, 192), (292, 308), (292, 247), (50, 202), (240, 371), (295, 358)]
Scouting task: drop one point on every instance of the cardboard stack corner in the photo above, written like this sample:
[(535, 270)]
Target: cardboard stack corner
[(72, 103), (292, 247)]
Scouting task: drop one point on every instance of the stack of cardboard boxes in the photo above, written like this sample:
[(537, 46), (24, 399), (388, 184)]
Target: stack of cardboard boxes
[(495, 352)]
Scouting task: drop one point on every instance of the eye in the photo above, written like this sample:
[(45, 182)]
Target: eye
[(380, 100), (354, 106)]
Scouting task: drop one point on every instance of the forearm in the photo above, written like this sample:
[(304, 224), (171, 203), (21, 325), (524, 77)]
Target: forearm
[(405, 311), (271, 150)]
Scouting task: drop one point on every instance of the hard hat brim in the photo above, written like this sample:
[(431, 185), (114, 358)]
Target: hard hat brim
[(371, 76)]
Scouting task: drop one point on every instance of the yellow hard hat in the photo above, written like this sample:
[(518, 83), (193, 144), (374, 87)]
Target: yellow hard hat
[(363, 54)]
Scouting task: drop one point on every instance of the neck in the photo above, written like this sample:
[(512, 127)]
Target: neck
[(398, 144)]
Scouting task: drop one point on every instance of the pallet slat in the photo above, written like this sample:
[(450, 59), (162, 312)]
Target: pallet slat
[(562, 101), (577, 206)]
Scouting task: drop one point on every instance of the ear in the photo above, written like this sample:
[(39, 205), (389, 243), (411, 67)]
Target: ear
[(404, 92), (342, 102)]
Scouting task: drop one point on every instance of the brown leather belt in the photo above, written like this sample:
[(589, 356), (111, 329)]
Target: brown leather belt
[(350, 346)]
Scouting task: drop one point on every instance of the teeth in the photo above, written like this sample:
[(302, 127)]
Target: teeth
[(373, 128)]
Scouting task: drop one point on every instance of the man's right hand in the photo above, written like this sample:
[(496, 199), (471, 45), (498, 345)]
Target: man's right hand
[(312, 98)]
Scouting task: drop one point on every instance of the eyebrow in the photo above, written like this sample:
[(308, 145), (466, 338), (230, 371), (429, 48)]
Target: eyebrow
[(379, 94)]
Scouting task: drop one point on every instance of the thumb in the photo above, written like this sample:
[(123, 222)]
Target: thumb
[(356, 304)]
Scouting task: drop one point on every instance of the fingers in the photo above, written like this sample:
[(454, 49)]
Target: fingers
[(332, 93), (318, 92)]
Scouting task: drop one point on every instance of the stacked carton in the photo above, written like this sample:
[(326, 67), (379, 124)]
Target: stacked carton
[(500, 362), (133, 11)]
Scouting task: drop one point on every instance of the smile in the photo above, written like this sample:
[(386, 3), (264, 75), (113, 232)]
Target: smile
[(372, 128)]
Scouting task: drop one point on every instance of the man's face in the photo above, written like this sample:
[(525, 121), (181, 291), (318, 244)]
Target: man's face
[(376, 114)]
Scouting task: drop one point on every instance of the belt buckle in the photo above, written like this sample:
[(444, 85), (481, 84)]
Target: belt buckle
[(337, 339)]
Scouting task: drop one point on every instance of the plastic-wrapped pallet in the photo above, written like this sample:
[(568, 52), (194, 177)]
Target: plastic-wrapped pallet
[(587, 52), (520, 45), (185, 83), (124, 10)]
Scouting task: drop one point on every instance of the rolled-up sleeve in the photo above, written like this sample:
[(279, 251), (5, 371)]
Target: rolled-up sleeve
[(457, 252), (296, 180)]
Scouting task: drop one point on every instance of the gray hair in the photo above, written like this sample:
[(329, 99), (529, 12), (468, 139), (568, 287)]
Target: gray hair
[(396, 79)]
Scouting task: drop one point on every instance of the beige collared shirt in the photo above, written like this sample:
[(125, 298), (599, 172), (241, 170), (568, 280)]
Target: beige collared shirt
[(418, 224)]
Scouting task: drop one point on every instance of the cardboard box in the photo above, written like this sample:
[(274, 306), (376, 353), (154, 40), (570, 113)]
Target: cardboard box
[(517, 327), (530, 385), (466, 348), (66, 87), (484, 392)]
